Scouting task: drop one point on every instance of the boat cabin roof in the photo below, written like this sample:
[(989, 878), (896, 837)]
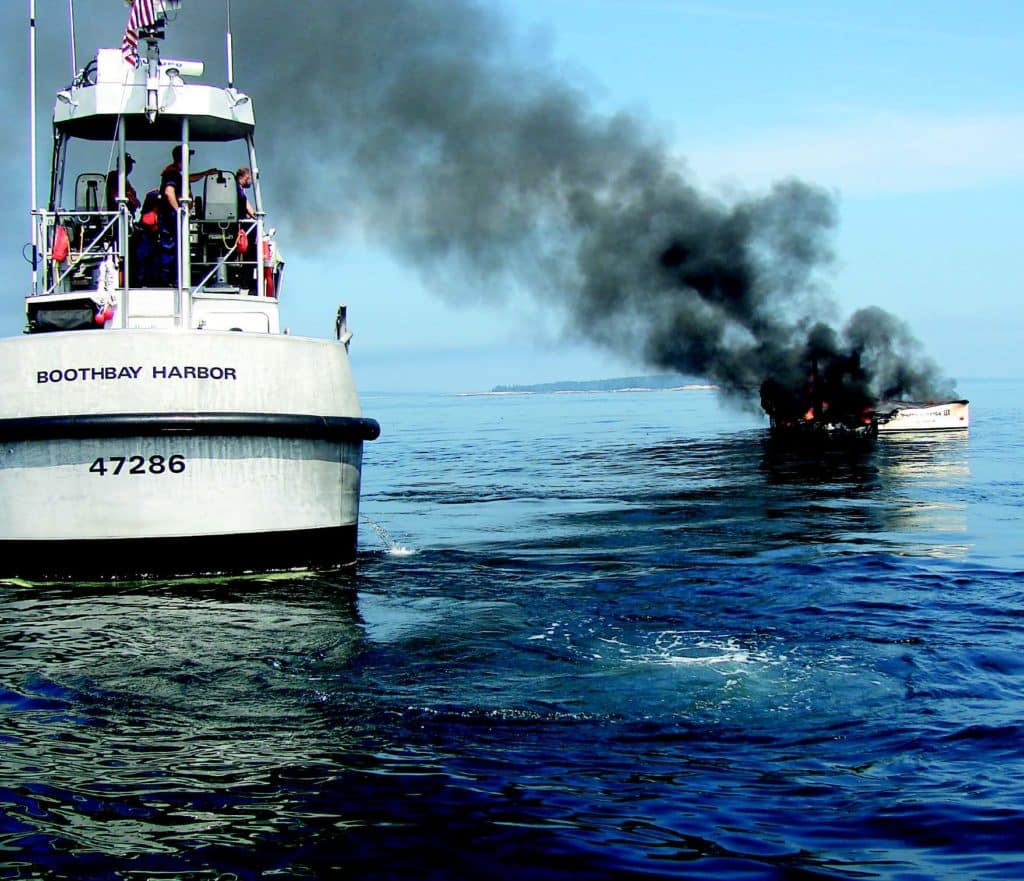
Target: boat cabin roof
[(114, 92)]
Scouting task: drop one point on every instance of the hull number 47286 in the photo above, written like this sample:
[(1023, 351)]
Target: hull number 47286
[(115, 465)]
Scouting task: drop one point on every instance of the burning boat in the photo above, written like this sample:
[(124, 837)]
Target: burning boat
[(826, 406), (819, 422), (831, 390)]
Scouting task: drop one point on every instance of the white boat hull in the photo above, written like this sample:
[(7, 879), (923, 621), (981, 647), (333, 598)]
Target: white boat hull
[(940, 416), (154, 418), (115, 457)]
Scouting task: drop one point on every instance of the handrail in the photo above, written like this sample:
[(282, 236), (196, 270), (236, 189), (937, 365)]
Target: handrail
[(51, 219), (88, 250), (223, 260)]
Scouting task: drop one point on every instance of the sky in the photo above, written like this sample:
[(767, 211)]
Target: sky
[(911, 115)]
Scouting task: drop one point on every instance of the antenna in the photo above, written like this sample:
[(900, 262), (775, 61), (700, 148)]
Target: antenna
[(71, 26), (230, 50)]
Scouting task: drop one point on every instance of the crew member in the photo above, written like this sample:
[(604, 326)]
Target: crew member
[(129, 191), (171, 192), (243, 180), (170, 178)]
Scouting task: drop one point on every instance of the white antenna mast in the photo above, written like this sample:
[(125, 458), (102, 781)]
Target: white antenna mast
[(231, 58), (71, 26)]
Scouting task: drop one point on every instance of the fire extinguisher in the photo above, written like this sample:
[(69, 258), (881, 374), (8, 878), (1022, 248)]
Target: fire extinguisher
[(268, 269)]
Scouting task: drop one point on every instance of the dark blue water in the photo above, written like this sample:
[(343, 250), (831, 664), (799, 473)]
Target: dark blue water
[(597, 636)]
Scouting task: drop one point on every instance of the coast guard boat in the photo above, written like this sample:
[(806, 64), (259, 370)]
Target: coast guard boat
[(154, 418)]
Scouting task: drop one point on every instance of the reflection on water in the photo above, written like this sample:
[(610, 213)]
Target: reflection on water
[(883, 495), (747, 494), (139, 716), (936, 456), (929, 474)]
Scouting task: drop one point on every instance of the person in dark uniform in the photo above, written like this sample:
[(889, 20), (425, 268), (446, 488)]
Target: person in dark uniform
[(129, 190), (171, 193), (243, 180)]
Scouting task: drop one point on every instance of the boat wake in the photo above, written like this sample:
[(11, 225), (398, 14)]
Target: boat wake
[(391, 546)]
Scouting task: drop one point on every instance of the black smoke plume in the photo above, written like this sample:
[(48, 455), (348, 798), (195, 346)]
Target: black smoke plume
[(425, 124)]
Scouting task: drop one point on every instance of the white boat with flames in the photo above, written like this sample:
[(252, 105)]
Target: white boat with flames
[(171, 428), (903, 416)]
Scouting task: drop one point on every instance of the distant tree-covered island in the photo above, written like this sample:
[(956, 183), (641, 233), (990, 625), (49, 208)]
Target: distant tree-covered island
[(619, 384)]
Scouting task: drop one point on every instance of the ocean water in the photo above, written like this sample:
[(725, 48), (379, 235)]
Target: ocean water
[(589, 636)]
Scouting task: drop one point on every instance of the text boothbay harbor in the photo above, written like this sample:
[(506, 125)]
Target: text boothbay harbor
[(156, 371)]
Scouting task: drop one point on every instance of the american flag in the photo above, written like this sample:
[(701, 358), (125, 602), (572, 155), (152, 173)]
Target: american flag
[(143, 14)]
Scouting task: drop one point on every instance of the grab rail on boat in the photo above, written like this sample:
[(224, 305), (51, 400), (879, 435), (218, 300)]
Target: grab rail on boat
[(222, 261), (52, 220)]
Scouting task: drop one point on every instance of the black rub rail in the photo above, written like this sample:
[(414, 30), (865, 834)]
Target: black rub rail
[(335, 428)]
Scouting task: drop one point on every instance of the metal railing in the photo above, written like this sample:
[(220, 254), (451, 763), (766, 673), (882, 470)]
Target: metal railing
[(224, 261), (100, 244), (94, 235)]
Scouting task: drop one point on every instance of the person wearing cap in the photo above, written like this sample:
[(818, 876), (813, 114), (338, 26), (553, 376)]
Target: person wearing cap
[(171, 191), (131, 197), (170, 178)]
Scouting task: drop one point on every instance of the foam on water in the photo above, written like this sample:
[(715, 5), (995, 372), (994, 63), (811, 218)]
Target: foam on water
[(391, 546)]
